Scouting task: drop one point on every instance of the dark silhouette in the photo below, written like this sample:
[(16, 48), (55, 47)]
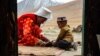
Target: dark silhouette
[(91, 27), (8, 28)]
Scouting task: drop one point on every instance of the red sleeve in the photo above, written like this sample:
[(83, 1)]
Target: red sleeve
[(29, 40), (43, 38), (37, 31)]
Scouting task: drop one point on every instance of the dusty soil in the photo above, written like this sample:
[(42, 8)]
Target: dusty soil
[(51, 51)]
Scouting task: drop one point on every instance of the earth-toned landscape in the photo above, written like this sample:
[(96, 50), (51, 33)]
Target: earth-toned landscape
[(73, 12)]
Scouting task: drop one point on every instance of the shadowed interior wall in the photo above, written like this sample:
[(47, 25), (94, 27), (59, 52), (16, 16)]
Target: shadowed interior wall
[(8, 28), (91, 27)]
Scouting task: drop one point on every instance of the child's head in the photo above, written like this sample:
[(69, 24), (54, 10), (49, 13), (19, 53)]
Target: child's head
[(61, 21)]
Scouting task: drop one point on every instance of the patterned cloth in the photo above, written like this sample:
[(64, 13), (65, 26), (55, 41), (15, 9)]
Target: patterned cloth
[(29, 33)]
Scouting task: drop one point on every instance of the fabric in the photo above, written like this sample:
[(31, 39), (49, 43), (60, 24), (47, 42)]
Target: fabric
[(29, 33), (61, 19), (65, 34), (44, 12), (63, 44)]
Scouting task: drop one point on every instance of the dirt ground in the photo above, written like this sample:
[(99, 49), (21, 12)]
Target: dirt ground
[(51, 51), (46, 51)]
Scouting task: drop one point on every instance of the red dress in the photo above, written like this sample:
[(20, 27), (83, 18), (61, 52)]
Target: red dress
[(29, 31)]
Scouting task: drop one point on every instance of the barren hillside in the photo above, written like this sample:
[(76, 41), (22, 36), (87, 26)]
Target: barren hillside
[(72, 10)]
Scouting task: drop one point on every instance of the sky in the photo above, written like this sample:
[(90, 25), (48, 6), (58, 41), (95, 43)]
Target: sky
[(19, 1), (60, 1)]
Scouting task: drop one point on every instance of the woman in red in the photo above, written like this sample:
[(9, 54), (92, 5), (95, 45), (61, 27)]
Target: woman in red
[(29, 32)]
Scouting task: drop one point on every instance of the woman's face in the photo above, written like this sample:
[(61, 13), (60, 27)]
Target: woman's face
[(41, 20), (61, 23)]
